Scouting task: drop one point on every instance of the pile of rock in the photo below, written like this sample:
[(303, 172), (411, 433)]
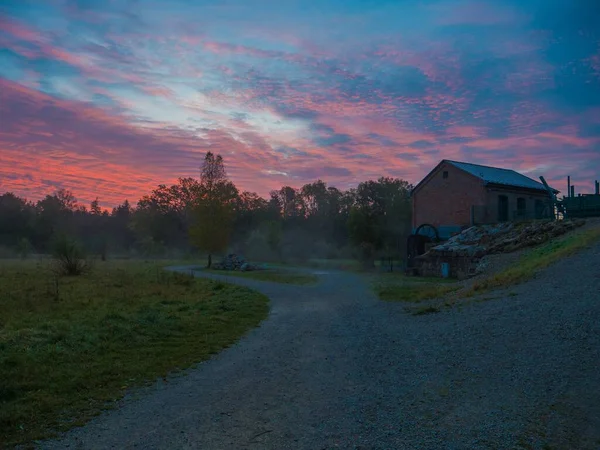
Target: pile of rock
[(473, 241), (532, 234), (478, 241), (235, 262), (466, 254)]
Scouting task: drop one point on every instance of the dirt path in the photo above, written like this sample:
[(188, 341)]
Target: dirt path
[(333, 367)]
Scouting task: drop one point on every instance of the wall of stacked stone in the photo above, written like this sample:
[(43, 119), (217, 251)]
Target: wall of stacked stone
[(460, 266)]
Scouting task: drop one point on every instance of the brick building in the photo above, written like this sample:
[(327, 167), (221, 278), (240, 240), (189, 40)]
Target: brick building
[(455, 195)]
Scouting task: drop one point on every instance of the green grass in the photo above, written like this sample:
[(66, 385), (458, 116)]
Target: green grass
[(535, 260), (398, 287), (426, 310), (69, 350), (414, 292), (274, 276)]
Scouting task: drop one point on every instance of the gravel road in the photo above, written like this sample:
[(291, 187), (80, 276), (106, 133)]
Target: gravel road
[(332, 367)]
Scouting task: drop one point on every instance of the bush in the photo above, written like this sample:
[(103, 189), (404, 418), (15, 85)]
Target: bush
[(69, 257)]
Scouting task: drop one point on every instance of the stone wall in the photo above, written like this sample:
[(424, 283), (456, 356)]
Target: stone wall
[(461, 267)]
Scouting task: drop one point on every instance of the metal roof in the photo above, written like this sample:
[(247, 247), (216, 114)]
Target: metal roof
[(495, 175)]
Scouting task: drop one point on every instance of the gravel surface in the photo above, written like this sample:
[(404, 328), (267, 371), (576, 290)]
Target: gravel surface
[(333, 367)]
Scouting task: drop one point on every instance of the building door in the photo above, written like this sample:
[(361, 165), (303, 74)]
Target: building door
[(521, 208), (540, 209), (502, 208)]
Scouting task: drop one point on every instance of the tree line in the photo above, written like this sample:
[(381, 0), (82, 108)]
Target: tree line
[(210, 215)]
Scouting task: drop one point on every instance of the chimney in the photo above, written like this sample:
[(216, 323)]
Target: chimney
[(597, 187), (572, 191), (569, 186)]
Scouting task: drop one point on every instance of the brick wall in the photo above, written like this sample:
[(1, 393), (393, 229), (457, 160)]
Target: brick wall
[(513, 196), (447, 201)]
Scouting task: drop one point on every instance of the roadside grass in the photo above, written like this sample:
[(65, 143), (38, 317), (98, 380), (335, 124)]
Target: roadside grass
[(426, 310), (322, 263), (71, 346), (414, 293), (400, 288), (536, 259), (274, 276)]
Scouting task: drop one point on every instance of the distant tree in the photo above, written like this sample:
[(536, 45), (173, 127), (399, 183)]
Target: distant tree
[(290, 204), (251, 211), (95, 207), (54, 216), (66, 199), (274, 237), (364, 233), (214, 209), (24, 247), (121, 233), (164, 216), (380, 217), (16, 219)]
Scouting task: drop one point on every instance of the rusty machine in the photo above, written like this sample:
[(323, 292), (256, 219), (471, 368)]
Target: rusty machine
[(574, 206), (419, 242)]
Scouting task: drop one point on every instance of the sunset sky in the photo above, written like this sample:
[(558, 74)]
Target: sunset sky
[(113, 97)]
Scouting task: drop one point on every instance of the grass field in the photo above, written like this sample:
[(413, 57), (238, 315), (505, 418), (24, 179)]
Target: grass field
[(272, 275), (69, 347), (535, 260)]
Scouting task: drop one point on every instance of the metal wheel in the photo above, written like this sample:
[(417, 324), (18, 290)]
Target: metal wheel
[(429, 231)]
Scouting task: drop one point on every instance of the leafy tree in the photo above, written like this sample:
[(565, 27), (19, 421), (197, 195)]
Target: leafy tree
[(16, 219), (215, 207), (54, 216), (289, 202), (251, 211), (364, 233), (380, 217), (164, 216)]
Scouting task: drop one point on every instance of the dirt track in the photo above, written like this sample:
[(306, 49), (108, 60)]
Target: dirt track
[(333, 367)]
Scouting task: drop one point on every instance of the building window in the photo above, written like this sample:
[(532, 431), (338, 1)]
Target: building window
[(445, 175), (521, 207)]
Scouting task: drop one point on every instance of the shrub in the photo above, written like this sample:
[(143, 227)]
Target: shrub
[(69, 257)]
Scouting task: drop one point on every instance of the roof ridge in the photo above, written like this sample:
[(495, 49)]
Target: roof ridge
[(483, 165)]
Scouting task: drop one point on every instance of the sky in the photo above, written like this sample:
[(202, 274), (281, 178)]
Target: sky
[(111, 98)]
